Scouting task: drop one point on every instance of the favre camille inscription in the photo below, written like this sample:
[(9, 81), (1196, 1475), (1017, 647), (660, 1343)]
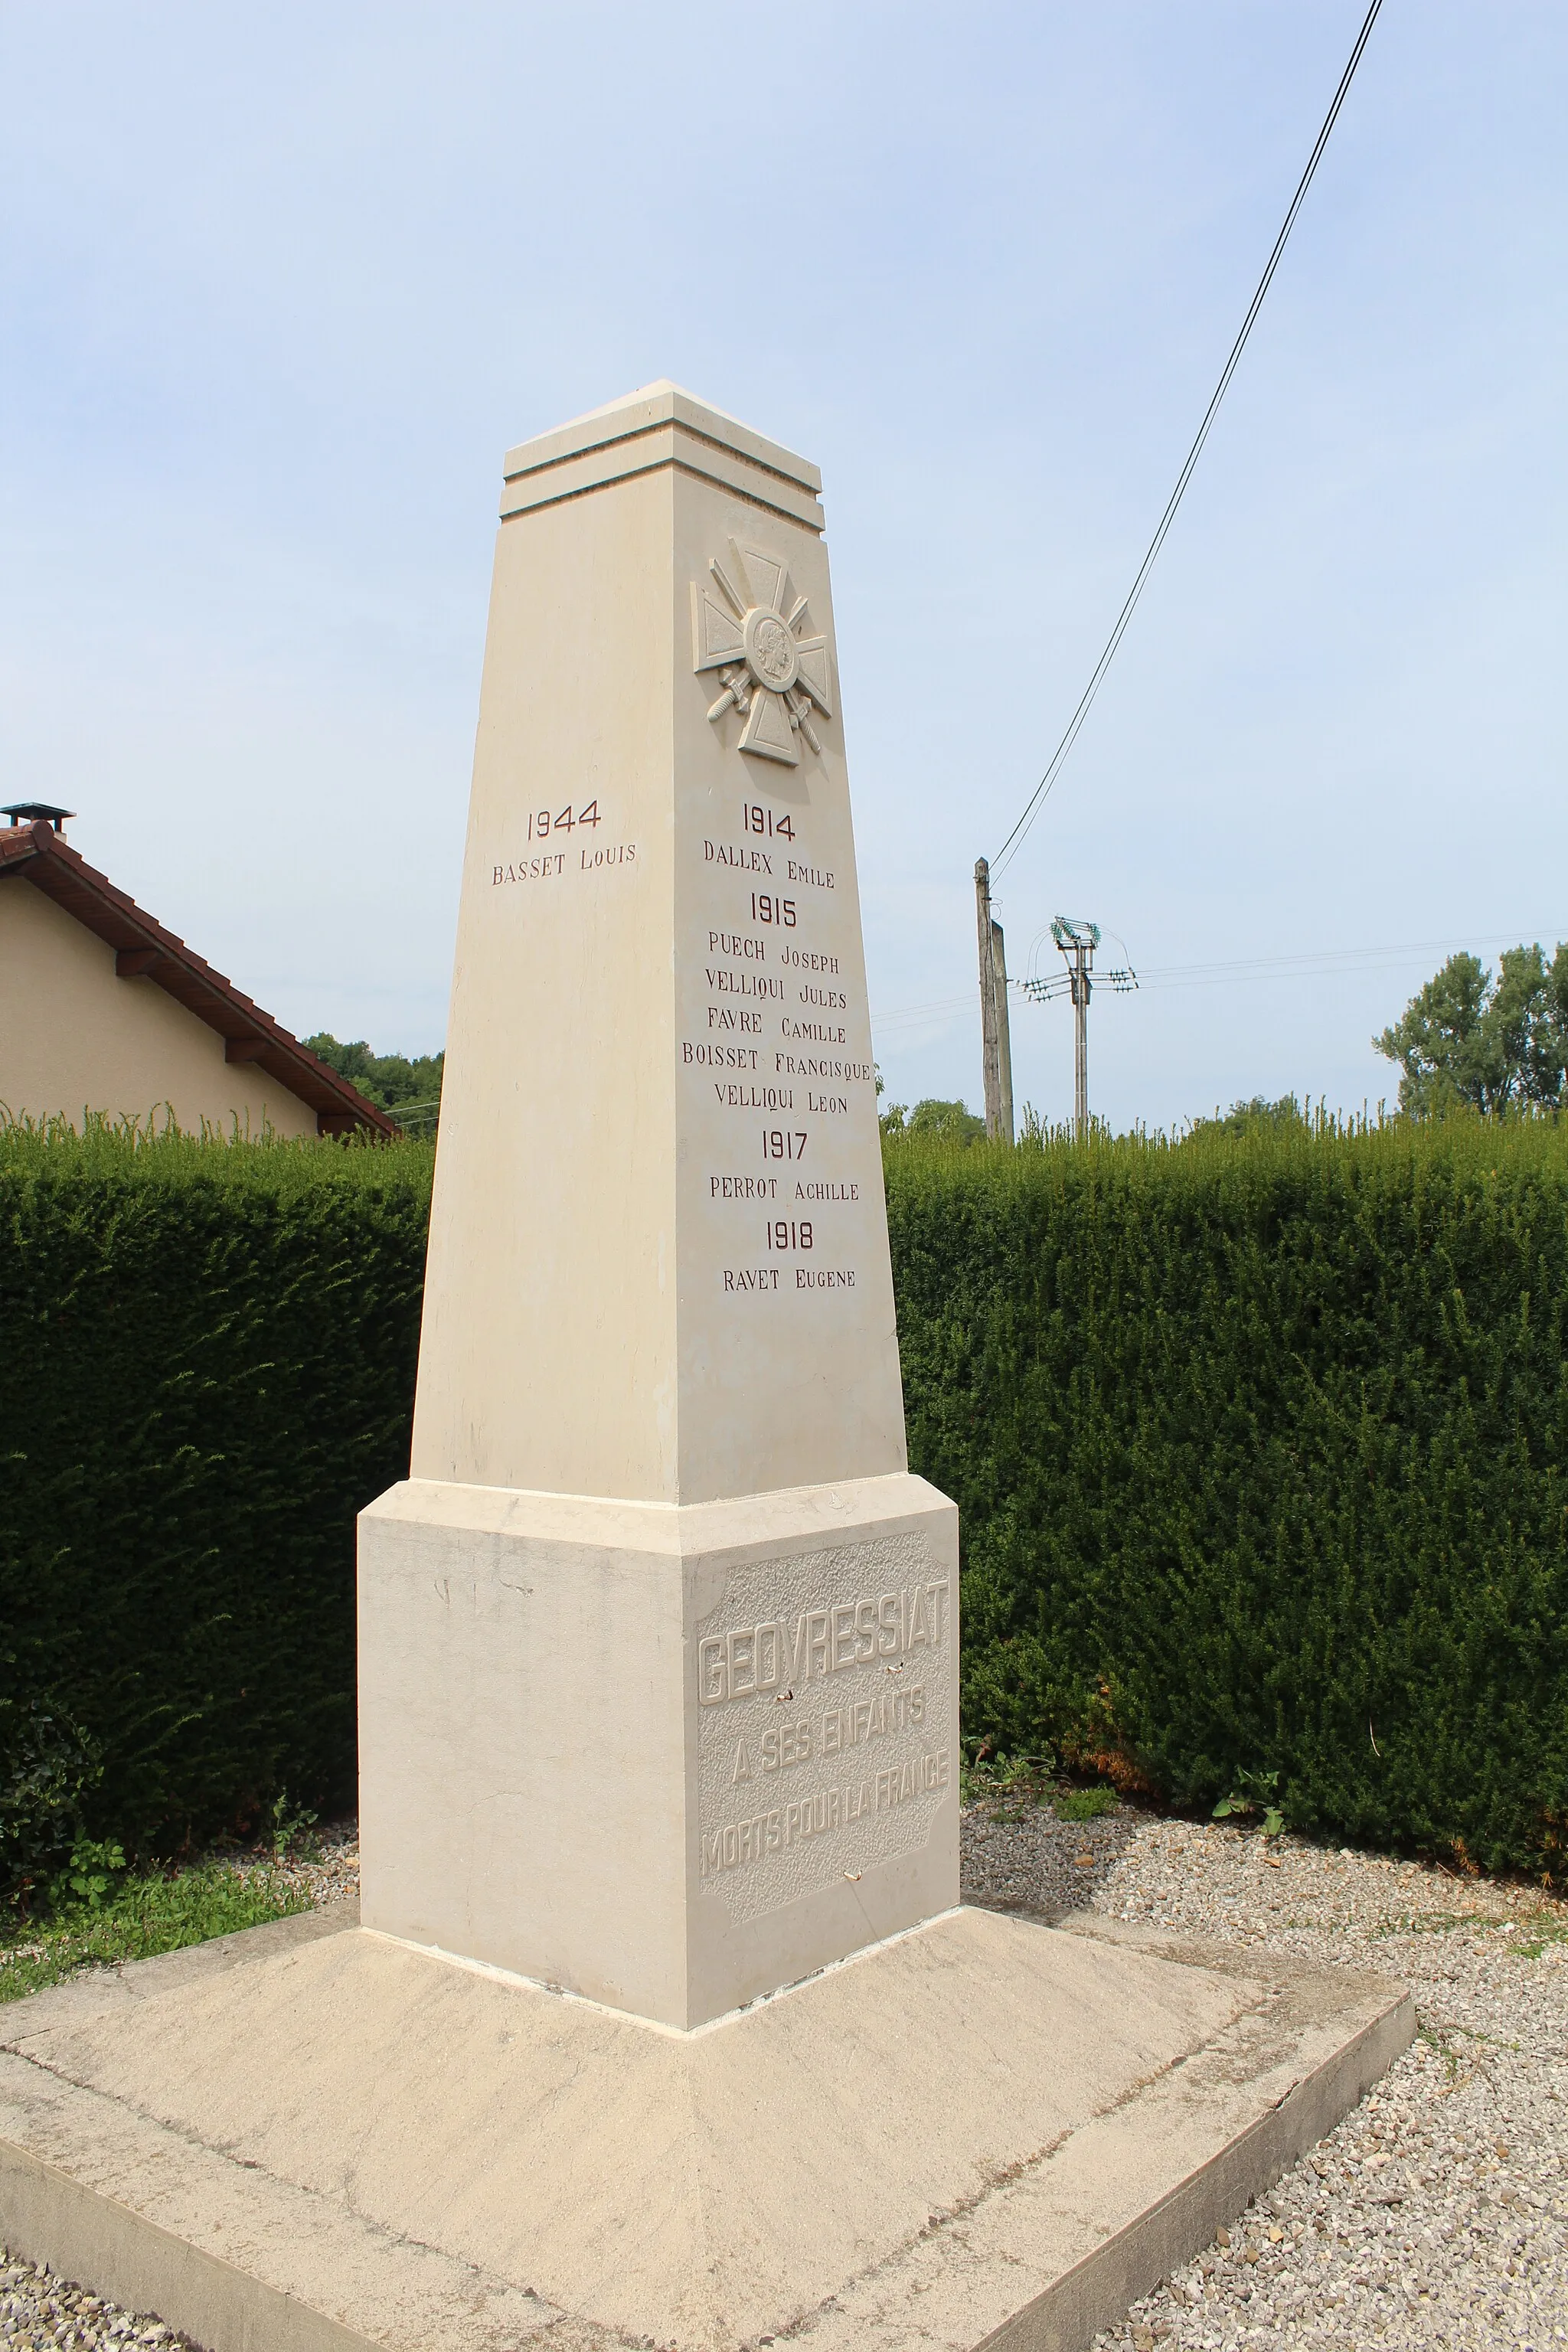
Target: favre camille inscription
[(825, 1720)]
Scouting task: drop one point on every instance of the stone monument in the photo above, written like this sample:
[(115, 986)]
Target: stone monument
[(657, 1644), (661, 2025)]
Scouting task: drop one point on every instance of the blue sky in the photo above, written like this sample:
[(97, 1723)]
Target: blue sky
[(280, 286)]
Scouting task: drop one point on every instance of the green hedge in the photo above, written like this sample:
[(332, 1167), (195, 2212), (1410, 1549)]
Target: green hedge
[(1259, 1441), (206, 1366), (1260, 1445)]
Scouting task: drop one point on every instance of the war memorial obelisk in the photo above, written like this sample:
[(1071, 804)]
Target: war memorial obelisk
[(661, 2022), (658, 1646)]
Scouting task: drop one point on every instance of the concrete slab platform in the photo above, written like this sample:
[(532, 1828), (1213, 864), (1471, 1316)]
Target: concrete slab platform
[(981, 2133)]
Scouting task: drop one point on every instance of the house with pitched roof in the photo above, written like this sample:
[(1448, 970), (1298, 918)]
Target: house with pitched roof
[(103, 1009)]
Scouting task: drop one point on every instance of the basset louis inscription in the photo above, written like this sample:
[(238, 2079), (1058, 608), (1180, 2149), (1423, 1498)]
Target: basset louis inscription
[(554, 865), (823, 1687)]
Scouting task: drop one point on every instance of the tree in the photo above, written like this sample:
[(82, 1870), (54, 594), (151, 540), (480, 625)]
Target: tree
[(954, 1122), (410, 1090), (1494, 1042), (1243, 1117)]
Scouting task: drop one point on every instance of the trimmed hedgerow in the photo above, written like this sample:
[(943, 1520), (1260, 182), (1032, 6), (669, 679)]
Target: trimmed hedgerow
[(1259, 1445), (1258, 1441), (207, 1367)]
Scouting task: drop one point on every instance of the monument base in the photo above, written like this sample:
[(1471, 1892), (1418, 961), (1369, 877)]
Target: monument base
[(669, 1757), (982, 2132)]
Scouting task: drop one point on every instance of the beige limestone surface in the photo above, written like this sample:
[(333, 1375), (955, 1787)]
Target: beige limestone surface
[(664, 1758), (981, 2132), (659, 1642), (658, 1264), (75, 1038)]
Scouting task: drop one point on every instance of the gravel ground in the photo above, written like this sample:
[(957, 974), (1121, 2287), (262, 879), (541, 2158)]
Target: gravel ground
[(37, 2309), (1436, 2215), (1021, 1858), (327, 1871)]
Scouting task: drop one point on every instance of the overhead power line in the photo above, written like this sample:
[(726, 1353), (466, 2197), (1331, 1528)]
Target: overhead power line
[(1032, 806), (1330, 963)]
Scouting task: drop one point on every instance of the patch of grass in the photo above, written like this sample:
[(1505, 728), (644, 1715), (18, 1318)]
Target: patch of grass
[(1006, 1784), (1010, 1785), (1538, 1930), (142, 1916), (1454, 2068), (1434, 1923), (1084, 1804)]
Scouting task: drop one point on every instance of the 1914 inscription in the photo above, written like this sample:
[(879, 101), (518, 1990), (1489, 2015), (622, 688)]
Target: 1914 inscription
[(824, 1686)]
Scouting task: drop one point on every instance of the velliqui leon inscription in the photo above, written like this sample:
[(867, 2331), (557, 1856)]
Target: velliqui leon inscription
[(660, 1520)]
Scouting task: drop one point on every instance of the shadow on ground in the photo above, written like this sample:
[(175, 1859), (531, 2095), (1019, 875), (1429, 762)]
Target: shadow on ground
[(1024, 1859)]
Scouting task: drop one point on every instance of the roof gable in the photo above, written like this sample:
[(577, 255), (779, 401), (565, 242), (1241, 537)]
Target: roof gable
[(35, 853)]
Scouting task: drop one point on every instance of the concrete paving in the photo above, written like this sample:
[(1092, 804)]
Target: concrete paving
[(985, 2132)]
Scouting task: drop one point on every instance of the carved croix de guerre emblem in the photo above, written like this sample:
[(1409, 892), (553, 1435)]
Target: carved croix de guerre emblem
[(748, 624)]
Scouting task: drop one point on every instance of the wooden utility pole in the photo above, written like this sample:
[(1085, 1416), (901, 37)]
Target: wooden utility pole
[(1004, 1035), (995, 1041)]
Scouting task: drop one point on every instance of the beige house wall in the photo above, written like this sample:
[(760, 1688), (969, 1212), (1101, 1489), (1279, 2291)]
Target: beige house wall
[(75, 1037)]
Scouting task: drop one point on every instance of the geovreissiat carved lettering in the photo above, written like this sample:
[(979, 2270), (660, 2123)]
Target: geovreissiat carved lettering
[(821, 1642)]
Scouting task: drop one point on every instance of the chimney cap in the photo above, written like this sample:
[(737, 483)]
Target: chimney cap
[(37, 812)]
